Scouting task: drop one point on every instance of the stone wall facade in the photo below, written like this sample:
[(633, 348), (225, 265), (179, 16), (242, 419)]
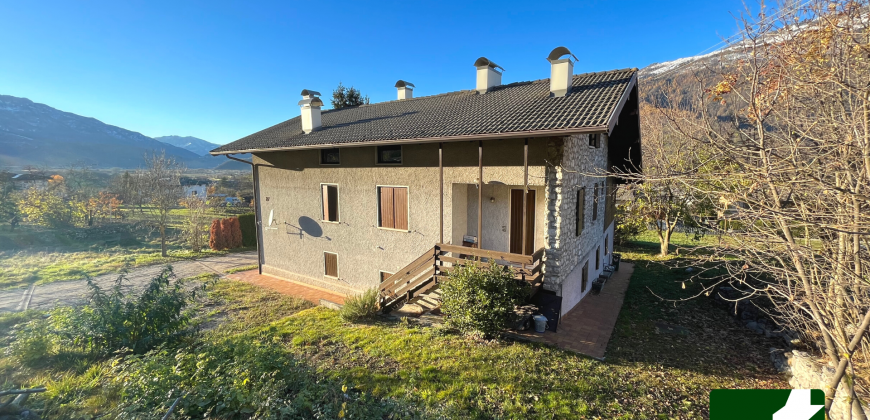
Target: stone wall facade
[(809, 373), (572, 165)]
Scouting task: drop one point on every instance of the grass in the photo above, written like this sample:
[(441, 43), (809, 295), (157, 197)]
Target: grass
[(242, 268), (646, 375)]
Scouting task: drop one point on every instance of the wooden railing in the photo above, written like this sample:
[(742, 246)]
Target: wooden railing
[(435, 265)]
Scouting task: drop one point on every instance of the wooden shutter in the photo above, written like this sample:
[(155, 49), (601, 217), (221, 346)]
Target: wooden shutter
[(386, 216), (580, 213), (597, 257), (330, 262), (595, 202), (400, 208), (324, 194), (385, 275)]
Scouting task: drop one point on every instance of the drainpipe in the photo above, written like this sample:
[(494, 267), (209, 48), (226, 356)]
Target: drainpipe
[(255, 172)]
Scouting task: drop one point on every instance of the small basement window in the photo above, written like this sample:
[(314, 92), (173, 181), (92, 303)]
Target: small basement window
[(329, 198), (390, 154), (330, 264), (330, 156)]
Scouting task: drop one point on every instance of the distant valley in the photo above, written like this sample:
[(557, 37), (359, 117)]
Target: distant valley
[(33, 134)]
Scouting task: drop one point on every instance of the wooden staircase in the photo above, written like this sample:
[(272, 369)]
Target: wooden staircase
[(418, 281)]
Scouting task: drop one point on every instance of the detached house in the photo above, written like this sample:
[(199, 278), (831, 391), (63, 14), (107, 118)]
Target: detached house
[(393, 194)]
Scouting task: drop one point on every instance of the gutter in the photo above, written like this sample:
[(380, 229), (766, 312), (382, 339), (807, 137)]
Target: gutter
[(255, 172), (493, 136)]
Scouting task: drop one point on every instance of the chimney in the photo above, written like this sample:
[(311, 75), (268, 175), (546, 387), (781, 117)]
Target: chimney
[(487, 75), (310, 104), (561, 71), (406, 89)]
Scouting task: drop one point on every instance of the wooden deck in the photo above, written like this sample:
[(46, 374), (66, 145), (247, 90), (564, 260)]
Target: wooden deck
[(433, 267)]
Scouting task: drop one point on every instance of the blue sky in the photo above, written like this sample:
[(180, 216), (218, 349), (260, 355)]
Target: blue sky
[(222, 70)]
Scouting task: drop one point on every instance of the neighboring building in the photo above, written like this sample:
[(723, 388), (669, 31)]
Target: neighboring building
[(26, 181), (194, 187), (347, 198)]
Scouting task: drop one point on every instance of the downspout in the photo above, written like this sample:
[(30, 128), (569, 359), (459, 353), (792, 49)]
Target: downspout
[(255, 172)]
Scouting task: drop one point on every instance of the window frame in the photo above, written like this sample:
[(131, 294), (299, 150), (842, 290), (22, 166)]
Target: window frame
[(606, 244), (401, 155), (407, 207), (337, 266), (595, 193), (337, 203), (584, 279), (381, 278), (595, 140), (598, 258), (322, 151)]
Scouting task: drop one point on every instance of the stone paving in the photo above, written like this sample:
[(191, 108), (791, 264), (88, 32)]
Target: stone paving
[(587, 328), (46, 296), (310, 293)]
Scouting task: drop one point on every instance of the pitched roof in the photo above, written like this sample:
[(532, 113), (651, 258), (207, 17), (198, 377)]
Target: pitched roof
[(516, 109)]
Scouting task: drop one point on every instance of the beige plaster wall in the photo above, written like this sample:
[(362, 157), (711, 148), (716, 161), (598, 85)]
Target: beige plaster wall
[(290, 188)]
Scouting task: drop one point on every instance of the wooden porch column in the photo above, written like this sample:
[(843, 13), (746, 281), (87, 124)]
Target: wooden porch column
[(525, 192), (480, 195), (441, 182)]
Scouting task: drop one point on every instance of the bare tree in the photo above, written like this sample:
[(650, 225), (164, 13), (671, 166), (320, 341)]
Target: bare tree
[(795, 156), (196, 223), (161, 179)]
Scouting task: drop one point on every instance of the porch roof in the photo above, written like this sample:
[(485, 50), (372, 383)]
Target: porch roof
[(522, 109)]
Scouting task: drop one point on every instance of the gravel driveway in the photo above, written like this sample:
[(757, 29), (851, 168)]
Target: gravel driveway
[(46, 296)]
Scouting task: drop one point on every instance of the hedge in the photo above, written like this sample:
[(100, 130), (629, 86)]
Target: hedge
[(248, 224)]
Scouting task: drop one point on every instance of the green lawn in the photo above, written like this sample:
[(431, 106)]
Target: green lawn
[(34, 254)]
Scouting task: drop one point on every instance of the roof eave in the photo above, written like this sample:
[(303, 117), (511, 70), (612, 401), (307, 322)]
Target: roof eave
[(493, 136), (614, 117)]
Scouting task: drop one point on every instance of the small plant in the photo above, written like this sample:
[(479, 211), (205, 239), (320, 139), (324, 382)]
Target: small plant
[(481, 300), (361, 306)]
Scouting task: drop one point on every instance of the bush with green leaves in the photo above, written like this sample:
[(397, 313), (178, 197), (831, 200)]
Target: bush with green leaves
[(247, 376), (361, 306), (111, 320), (248, 225), (480, 300)]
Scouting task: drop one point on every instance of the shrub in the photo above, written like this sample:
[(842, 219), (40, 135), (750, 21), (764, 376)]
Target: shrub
[(247, 376), (215, 237), (361, 306), (234, 233), (481, 300), (112, 320), (248, 227)]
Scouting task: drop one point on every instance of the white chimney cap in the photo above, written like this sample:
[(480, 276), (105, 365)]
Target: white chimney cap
[(404, 84), (558, 53)]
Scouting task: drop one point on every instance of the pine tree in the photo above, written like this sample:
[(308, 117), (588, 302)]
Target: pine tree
[(215, 238), (343, 97)]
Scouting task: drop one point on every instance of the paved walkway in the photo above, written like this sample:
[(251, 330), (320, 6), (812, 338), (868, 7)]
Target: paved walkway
[(288, 287), (46, 296), (586, 329)]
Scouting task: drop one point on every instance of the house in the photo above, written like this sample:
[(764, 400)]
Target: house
[(194, 187), (393, 194), (26, 181)]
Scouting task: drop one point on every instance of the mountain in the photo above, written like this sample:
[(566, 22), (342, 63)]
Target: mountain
[(195, 145), (39, 135)]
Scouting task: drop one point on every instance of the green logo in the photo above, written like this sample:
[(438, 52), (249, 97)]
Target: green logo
[(767, 404)]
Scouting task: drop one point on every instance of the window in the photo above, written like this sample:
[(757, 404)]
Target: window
[(595, 140), (329, 196), (329, 156), (605, 245), (580, 212), (330, 264), (595, 203), (585, 281), (385, 275), (597, 258), (390, 154), (393, 207)]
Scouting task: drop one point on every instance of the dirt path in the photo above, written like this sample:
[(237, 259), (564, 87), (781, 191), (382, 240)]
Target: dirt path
[(45, 296)]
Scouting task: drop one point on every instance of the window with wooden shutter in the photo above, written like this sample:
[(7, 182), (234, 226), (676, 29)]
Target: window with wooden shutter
[(329, 195), (597, 257), (585, 280), (385, 275), (330, 264), (595, 140), (580, 212), (393, 207), (595, 203)]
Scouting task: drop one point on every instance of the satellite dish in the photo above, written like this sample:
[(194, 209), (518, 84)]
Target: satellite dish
[(271, 214)]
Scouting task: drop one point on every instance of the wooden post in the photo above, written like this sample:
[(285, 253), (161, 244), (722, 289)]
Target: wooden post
[(525, 194), (480, 195), (441, 182)]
